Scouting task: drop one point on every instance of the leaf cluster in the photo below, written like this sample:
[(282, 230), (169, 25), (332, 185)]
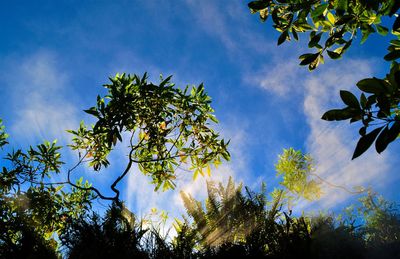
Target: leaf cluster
[(33, 211), (377, 109), (167, 127), (333, 24), (295, 169)]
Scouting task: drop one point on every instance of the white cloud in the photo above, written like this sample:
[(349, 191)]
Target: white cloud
[(280, 78), (332, 144), (42, 109)]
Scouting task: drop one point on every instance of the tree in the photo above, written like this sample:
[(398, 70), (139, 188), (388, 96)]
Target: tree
[(299, 179), (296, 170), (167, 127), (32, 211), (333, 25)]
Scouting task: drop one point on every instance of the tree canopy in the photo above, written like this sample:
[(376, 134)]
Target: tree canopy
[(164, 127)]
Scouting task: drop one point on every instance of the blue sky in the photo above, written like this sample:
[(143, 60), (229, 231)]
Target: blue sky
[(56, 56)]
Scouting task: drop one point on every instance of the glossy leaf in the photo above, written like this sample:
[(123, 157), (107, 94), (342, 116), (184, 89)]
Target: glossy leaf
[(382, 141), (371, 85), (349, 99), (333, 55), (382, 30), (396, 24), (393, 55), (307, 59), (341, 5), (283, 37), (365, 142), (258, 5), (340, 114)]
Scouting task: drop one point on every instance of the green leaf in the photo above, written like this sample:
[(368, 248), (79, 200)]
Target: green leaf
[(387, 136), (295, 36), (384, 105), (365, 142), (395, 43), (331, 18), (341, 5), (393, 55), (318, 11), (363, 101), (195, 174), (366, 31), (314, 64), (264, 14), (382, 141), (362, 131), (394, 131), (308, 58), (258, 5), (396, 24), (371, 85), (58, 188), (349, 99), (340, 114), (92, 111), (314, 40), (344, 19), (382, 30), (333, 55), (284, 35)]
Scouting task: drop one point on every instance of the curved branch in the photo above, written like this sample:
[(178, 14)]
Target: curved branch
[(336, 186)]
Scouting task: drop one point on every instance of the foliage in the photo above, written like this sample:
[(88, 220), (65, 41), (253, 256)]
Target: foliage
[(224, 219), (263, 230), (33, 212), (332, 27), (166, 126), (113, 236), (3, 135), (240, 223), (381, 221), (333, 239), (372, 231), (296, 169), (379, 110), (337, 22)]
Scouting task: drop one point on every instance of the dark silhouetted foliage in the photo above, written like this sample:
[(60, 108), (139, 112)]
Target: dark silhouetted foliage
[(110, 237)]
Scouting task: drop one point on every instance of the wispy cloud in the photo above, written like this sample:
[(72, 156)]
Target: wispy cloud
[(208, 15), (280, 77), (331, 144), (41, 105), (230, 23)]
